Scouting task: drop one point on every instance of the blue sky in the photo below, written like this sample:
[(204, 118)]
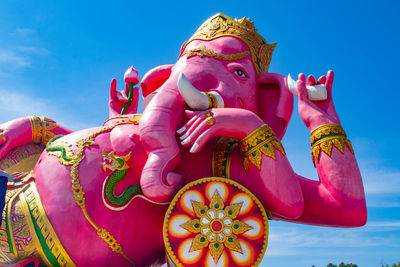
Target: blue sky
[(57, 60)]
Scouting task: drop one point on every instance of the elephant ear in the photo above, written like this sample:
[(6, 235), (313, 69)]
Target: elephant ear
[(275, 102), (154, 78)]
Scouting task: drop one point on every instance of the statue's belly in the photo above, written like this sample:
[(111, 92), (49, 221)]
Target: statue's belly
[(71, 179)]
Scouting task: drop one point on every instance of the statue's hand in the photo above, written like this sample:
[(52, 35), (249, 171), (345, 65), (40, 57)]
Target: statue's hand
[(316, 113), (14, 133), (119, 98), (203, 125)]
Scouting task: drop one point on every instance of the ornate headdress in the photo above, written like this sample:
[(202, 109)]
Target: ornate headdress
[(243, 29)]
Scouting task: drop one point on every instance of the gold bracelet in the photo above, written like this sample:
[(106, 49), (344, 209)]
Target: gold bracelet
[(42, 129), (260, 141), (326, 137), (326, 130)]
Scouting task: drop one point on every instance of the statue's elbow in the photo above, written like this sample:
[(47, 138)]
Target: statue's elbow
[(358, 216), (362, 216)]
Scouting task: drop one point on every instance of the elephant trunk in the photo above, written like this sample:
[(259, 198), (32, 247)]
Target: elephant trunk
[(157, 130)]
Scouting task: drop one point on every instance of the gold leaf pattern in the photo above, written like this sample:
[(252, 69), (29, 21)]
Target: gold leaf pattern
[(215, 226), (233, 210), (221, 239), (326, 130), (326, 145), (233, 244), (216, 201), (240, 227), (203, 51), (199, 208), (259, 142), (42, 129), (243, 29), (216, 250), (192, 226), (198, 243)]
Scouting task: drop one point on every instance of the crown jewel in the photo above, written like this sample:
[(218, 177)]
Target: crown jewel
[(243, 29)]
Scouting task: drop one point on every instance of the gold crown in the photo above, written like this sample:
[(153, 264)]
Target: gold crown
[(243, 29)]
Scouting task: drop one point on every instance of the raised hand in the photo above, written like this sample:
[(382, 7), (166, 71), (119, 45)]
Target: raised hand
[(316, 113), (121, 101)]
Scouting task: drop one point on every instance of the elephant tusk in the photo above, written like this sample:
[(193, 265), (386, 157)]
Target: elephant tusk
[(315, 92), (193, 97)]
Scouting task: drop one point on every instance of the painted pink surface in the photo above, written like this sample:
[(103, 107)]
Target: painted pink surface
[(161, 165)]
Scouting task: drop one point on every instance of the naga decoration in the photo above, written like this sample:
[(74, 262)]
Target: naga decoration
[(194, 180)]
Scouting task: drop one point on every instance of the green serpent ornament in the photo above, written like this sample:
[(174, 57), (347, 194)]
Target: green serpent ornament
[(62, 151), (120, 169), (115, 163)]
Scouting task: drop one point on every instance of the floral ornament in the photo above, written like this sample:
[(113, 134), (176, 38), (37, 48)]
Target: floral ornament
[(215, 221), (216, 227)]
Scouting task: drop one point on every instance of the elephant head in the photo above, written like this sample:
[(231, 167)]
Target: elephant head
[(224, 64)]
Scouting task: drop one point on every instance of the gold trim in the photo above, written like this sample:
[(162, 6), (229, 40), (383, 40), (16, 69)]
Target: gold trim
[(221, 160), (212, 99), (327, 136), (26, 201), (216, 245), (326, 130), (135, 117), (168, 248), (202, 51), (221, 25), (260, 141), (9, 223), (28, 218), (7, 256), (42, 129), (326, 145)]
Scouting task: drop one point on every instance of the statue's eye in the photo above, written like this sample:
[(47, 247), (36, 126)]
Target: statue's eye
[(240, 73)]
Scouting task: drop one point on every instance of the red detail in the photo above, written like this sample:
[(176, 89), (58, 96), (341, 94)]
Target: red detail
[(216, 226), (27, 262)]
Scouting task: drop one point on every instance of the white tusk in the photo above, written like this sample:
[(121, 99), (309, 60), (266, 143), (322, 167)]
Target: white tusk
[(315, 92), (193, 97)]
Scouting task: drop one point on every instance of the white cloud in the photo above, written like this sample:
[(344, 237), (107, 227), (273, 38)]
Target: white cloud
[(286, 239), (10, 59), (381, 180), (33, 50), (15, 104), (384, 224), (23, 32)]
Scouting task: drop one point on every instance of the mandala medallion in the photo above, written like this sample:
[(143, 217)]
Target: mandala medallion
[(215, 222)]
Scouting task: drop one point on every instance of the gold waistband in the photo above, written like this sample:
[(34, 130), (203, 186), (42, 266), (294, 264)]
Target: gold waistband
[(27, 232)]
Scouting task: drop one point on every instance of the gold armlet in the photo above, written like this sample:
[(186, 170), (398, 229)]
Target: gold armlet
[(42, 129), (325, 137), (260, 141)]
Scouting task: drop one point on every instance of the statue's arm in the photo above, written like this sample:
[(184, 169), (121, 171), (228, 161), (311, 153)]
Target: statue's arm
[(338, 198), (24, 130)]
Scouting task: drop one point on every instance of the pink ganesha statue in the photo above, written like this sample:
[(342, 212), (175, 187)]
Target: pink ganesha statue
[(194, 180)]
